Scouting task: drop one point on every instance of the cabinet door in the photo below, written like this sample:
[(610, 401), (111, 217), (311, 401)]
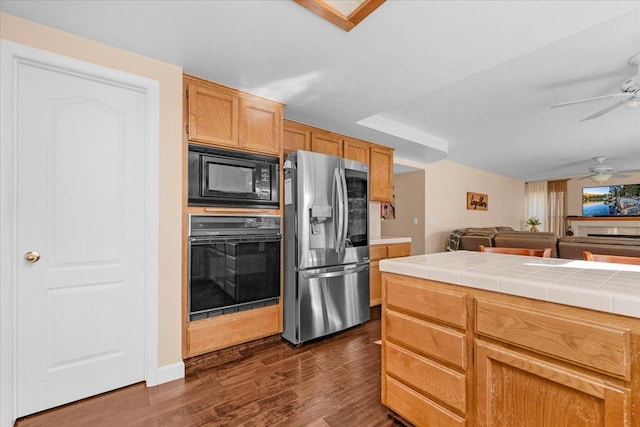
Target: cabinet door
[(260, 126), (326, 143), (517, 389), (213, 115), (381, 174), (296, 137), (356, 150)]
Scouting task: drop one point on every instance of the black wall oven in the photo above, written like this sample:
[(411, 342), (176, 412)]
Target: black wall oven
[(232, 179), (234, 263)]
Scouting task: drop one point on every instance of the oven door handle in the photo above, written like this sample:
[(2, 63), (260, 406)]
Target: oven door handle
[(234, 239), (335, 273)]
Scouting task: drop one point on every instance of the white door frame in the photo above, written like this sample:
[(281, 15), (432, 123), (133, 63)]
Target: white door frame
[(13, 54)]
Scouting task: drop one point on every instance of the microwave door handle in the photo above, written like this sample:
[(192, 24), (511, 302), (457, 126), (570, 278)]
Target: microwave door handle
[(338, 217)]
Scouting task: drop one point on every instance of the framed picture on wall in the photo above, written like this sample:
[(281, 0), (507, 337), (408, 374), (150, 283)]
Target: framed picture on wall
[(477, 201)]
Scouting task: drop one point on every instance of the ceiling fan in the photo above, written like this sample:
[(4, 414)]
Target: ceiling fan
[(629, 90), (602, 172)]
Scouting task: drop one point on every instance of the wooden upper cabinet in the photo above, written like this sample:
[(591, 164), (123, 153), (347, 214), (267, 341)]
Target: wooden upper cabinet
[(226, 117), (356, 150), (381, 174), (326, 143), (213, 115), (296, 137), (260, 126)]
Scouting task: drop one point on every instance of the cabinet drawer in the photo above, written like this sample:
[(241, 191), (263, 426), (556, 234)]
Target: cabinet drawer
[(378, 252), (430, 339), (418, 409), (602, 347), (444, 384), (398, 250), (445, 306)]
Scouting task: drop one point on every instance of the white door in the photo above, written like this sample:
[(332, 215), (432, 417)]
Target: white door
[(80, 147)]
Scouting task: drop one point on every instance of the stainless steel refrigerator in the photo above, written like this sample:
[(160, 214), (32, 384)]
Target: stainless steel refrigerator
[(326, 245)]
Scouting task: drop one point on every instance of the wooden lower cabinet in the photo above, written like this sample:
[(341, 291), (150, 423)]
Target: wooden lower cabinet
[(453, 355), (513, 387), (376, 253), (219, 332)]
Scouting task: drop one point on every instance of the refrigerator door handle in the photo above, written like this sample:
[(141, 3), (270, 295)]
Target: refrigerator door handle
[(337, 182), (336, 273), (345, 210)]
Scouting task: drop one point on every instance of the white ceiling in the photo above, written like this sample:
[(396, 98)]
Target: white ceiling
[(470, 81)]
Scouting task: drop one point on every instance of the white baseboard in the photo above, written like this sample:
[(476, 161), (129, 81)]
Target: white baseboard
[(168, 373)]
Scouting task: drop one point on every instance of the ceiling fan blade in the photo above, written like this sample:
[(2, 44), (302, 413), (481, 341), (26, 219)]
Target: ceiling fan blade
[(587, 176), (620, 175), (613, 95), (606, 110)]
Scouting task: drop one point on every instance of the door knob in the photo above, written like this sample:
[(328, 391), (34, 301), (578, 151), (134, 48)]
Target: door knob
[(32, 256)]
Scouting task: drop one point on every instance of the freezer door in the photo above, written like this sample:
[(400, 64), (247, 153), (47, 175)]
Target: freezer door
[(332, 299)]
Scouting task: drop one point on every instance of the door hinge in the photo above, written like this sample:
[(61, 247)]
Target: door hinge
[(186, 93), (187, 129)]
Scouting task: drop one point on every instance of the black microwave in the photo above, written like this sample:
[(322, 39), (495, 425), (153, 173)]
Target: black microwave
[(228, 178)]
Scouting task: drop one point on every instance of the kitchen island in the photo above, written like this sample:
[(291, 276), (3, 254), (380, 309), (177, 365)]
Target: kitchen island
[(481, 339)]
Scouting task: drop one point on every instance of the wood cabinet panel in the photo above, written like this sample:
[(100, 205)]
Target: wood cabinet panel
[(224, 331), (397, 250), (356, 150), (381, 174), (432, 340), (441, 383), (213, 115), (378, 252), (512, 388), (260, 127), (604, 348), (375, 284), (295, 137), (225, 117), (528, 363), (416, 408), (445, 306), (326, 143)]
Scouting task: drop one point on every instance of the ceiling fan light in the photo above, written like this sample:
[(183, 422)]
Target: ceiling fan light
[(633, 103), (600, 178)]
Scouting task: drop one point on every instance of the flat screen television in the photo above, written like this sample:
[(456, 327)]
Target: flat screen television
[(611, 200)]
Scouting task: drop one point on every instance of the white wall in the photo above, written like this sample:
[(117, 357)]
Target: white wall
[(409, 192), (447, 184)]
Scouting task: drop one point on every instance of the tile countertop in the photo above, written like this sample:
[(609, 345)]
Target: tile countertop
[(613, 288), (386, 240)]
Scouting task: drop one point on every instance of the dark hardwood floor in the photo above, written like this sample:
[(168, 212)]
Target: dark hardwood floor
[(331, 382)]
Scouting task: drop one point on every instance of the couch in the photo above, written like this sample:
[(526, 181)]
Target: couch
[(507, 237), (566, 247), (572, 247)]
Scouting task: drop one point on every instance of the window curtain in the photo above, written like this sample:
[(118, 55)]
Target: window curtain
[(557, 206), (536, 202)]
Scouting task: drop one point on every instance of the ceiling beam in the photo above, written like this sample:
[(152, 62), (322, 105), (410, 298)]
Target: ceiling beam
[(323, 9)]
